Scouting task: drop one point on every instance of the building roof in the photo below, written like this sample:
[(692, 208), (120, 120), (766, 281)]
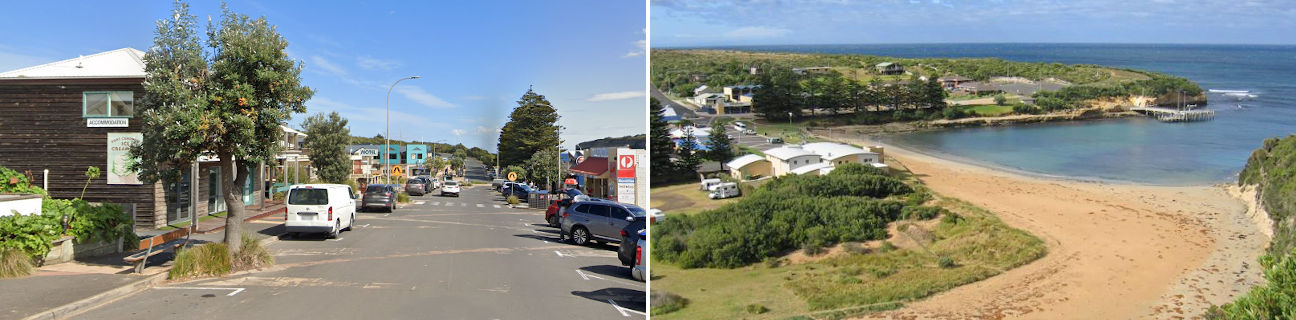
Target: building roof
[(116, 64), (787, 152), (811, 168), (885, 64), (700, 89), (288, 129), (744, 86), (594, 166), (744, 160), (697, 132), (356, 147), (832, 150), (954, 78)]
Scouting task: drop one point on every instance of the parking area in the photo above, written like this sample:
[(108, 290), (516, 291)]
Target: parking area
[(467, 257)]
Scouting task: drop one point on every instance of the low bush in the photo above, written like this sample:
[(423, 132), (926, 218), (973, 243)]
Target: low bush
[(921, 212), (946, 262), (14, 263), (212, 259), (252, 255), (757, 309), (665, 302), (403, 197), (513, 200)]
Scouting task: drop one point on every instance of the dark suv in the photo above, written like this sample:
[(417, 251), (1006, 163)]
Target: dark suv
[(598, 220), (380, 196)]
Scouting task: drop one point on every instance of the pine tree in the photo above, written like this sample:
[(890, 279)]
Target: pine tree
[(228, 106), (532, 126), (721, 145), (778, 95), (689, 156), (662, 168), (327, 140)]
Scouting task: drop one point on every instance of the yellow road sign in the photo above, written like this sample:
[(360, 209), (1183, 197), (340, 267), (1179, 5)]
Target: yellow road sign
[(398, 171), (512, 176)]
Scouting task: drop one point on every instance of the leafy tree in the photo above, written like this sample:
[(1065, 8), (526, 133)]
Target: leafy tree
[(521, 172), (689, 156), (327, 137), (532, 126), (228, 106), (662, 169), (721, 145), (543, 165), (778, 95), (1000, 100)]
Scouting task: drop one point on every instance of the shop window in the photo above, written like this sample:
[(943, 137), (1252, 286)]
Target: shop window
[(108, 104)]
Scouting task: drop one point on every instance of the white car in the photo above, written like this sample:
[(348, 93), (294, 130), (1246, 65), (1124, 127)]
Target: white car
[(320, 208), (450, 187)]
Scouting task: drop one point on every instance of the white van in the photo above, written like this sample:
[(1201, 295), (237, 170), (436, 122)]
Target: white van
[(725, 190), (708, 183), (740, 126), (320, 208)]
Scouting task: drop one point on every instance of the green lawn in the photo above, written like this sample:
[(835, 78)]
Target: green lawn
[(789, 132), (684, 198), (989, 110)]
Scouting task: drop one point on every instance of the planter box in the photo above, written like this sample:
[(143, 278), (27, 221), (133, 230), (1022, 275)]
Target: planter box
[(66, 249), (23, 204)]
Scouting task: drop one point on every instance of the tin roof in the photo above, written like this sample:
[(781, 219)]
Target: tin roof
[(115, 64)]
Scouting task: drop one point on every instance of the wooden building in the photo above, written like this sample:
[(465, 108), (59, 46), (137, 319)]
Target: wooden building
[(69, 115)]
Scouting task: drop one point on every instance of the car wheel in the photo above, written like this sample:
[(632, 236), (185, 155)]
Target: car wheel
[(352, 224), (337, 228), (553, 221), (580, 236)]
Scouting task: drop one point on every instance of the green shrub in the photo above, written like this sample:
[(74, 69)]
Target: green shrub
[(513, 200), (665, 302), (757, 309), (921, 212), (31, 234), (951, 218), (107, 222), (1274, 300), (855, 248), (887, 246), (946, 262), (14, 182), (403, 197), (252, 255), (14, 263), (212, 259)]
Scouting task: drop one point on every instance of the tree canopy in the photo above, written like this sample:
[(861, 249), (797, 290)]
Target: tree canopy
[(532, 126), (327, 138)]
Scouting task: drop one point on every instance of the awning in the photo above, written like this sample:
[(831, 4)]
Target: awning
[(592, 166)]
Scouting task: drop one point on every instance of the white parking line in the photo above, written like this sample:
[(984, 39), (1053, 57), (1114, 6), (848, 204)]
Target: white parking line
[(480, 205), (437, 203), (497, 206), (461, 204), (236, 290), (449, 204), (623, 310), (559, 253), (420, 202), (587, 276)]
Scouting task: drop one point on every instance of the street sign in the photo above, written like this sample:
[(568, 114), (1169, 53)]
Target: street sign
[(626, 190), (626, 166), (398, 171), (512, 176)]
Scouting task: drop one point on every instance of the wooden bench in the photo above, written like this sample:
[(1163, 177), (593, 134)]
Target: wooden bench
[(140, 259)]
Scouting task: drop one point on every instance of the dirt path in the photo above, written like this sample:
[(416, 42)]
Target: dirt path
[(1115, 251)]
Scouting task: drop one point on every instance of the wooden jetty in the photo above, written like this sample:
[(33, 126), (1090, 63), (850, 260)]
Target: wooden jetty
[(1176, 115)]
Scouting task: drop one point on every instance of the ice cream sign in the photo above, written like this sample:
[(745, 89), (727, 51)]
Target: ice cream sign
[(119, 159)]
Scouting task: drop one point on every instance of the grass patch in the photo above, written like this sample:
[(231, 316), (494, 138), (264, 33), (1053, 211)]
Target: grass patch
[(14, 263), (989, 110), (685, 197), (789, 132), (402, 197), (252, 255), (746, 149), (212, 259)]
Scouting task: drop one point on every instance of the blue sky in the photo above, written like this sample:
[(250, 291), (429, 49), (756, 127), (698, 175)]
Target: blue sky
[(476, 58), (678, 23)]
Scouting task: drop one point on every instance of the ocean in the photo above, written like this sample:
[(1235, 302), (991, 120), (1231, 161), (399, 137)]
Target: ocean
[(1136, 150)]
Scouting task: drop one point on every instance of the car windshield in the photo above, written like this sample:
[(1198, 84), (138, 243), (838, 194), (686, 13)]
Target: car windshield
[(414, 181), (310, 197), (378, 188), (451, 184), (637, 211)]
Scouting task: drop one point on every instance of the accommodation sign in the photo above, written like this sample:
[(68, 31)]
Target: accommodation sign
[(107, 122), (119, 159)]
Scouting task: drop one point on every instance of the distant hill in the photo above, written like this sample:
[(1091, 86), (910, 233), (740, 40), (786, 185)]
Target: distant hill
[(638, 141)]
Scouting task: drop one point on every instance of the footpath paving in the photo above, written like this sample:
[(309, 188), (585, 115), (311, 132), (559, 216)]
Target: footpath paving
[(54, 291)]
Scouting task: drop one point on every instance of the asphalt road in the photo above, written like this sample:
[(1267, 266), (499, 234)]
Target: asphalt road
[(470, 257)]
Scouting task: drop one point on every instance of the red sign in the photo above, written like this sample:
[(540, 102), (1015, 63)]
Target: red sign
[(626, 166)]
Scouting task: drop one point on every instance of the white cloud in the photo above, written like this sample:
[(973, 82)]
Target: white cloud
[(423, 97), (328, 66), (640, 47), (616, 96), (458, 132), (371, 63), (484, 130), (757, 32)]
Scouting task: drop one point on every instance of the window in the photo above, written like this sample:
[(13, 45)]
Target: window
[(108, 104), (619, 213), (303, 196), (598, 210)]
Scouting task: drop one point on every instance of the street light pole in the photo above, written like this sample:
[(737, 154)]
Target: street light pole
[(387, 136)]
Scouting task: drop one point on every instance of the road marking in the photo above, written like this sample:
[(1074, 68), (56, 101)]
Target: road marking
[(338, 239), (587, 276), (623, 310), (236, 290), (559, 253), (461, 204), (480, 205), (437, 203), (365, 225), (497, 206), (420, 202), (449, 204)]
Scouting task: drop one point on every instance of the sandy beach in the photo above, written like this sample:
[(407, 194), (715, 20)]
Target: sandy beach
[(1116, 251)]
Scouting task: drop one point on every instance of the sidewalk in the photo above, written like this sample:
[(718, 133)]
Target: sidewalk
[(79, 284)]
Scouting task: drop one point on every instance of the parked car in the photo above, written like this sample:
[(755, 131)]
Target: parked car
[(774, 140), (450, 187), (496, 184), (597, 220), (522, 191), (416, 187), (630, 239), (381, 196), (428, 184), (561, 201), (639, 271), (724, 190), (320, 208), (740, 126)]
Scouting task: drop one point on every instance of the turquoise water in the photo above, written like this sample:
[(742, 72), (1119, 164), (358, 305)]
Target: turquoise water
[(1134, 150)]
